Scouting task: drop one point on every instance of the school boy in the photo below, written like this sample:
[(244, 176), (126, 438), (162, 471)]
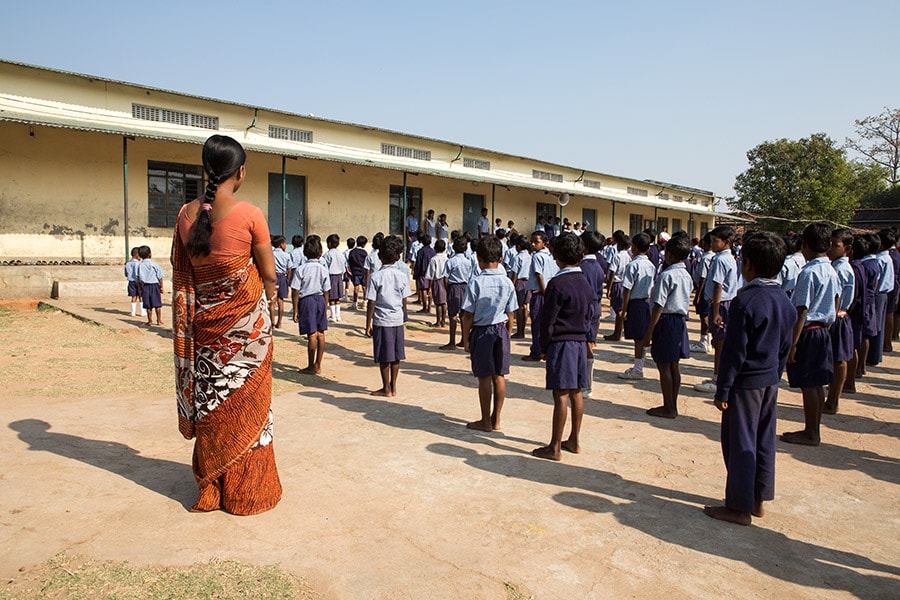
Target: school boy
[(457, 273), (151, 276), (758, 342), (792, 263), (311, 289), (564, 323), (719, 290), (487, 311), (297, 257), (873, 274), (282, 270), (667, 330), (701, 306), (810, 363), (636, 283), (860, 310), (437, 285), (134, 283), (423, 259), (614, 291), (595, 275), (386, 293), (887, 239), (543, 269), (839, 249), (519, 269), (892, 329), (373, 262), (336, 264), (356, 264)]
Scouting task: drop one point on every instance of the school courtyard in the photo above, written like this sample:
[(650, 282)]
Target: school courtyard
[(395, 498)]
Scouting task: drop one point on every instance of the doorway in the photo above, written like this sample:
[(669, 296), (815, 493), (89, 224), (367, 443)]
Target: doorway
[(472, 205), (589, 219), (287, 205)]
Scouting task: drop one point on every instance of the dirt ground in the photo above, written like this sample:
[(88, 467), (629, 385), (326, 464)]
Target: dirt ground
[(395, 498)]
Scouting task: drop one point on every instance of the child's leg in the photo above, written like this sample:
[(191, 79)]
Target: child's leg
[(704, 326), (320, 350), (395, 373), (850, 382), (813, 401), (861, 357), (499, 382), (484, 401), (443, 312), (669, 381), (280, 312), (560, 409), (310, 353), (835, 388), (385, 370), (452, 343), (520, 322), (639, 355), (577, 400)]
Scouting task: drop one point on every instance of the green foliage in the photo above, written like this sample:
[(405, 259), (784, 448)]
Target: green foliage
[(797, 182), (889, 198), (868, 184)]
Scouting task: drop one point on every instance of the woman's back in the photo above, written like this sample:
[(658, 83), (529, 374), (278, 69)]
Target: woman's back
[(234, 233)]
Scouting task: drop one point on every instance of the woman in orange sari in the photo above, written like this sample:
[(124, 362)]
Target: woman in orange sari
[(223, 280)]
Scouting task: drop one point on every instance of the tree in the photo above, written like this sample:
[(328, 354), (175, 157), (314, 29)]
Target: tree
[(869, 184), (795, 182), (878, 139)]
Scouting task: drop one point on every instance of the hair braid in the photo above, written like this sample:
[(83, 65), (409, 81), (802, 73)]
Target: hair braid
[(222, 158)]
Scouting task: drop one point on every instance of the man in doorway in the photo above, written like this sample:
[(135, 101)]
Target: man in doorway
[(484, 224), (412, 226)]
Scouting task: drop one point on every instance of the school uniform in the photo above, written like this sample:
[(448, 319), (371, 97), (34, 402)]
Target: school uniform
[(817, 286), (336, 264), (638, 278), (489, 297), (520, 267), (373, 261), (388, 287), (435, 275), (885, 285), (595, 276), (413, 251), (131, 274), (842, 329), (617, 268), (702, 271), (311, 282), (894, 295), (458, 271), (758, 341), (297, 258), (423, 259), (431, 229), (870, 325), (282, 266), (150, 274), (564, 324), (542, 263), (787, 277), (859, 313), (356, 262), (722, 270), (508, 254), (443, 232), (672, 292)]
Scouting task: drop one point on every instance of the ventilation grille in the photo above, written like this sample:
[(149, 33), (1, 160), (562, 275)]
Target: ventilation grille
[(474, 163), (545, 176), (164, 115), (663, 196), (637, 191), (288, 133), (405, 152), (678, 198), (591, 183)]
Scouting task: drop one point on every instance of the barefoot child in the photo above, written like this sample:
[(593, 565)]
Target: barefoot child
[(667, 329), (543, 268), (423, 260), (637, 280), (758, 343), (134, 283), (842, 331), (150, 275), (356, 264), (282, 270), (310, 288), (614, 291), (564, 324), (457, 273), (861, 310), (519, 267), (701, 269), (596, 276), (719, 290), (337, 266), (437, 284), (487, 311), (810, 363), (386, 292)]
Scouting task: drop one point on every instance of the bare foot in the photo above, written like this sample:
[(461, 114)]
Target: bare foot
[(309, 371), (381, 393), (758, 510), (849, 389), (662, 411), (799, 437), (517, 336), (479, 426), (829, 409), (570, 446), (723, 513), (546, 452), (448, 347), (531, 359), (460, 345)]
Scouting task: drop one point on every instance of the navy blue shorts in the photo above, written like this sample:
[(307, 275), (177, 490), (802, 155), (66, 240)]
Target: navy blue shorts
[(439, 291), (489, 345), (842, 339), (421, 283), (595, 321), (616, 296), (670, 339), (892, 300), (856, 322), (388, 343), (311, 314), (134, 289), (702, 306), (718, 333), (637, 320), (523, 296), (358, 279), (814, 365), (455, 295), (282, 286), (337, 287), (567, 366), (150, 295)]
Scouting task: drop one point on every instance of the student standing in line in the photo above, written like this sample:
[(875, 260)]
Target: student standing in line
[(614, 291), (458, 272), (386, 293), (543, 268), (841, 246), (437, 284), (637, 282), (356, 264), (282, 270), (887, 239), (311, 286), (861, 309), (334, 262), (519, 268), (719, 290), (595, 275), (134, 282), (701, 269), (151, 276)]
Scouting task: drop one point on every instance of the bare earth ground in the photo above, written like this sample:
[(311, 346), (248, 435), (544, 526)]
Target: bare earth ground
[(394, 498)]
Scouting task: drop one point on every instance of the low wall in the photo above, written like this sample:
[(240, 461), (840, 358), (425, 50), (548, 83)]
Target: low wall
[(65, 281)]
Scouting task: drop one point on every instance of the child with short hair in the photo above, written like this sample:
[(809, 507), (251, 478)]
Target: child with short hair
[(373, 262), (487, 310), (543, 269), (457, 273), (637, 281), (356, 264), (336, 265), (667, 330), (310, 288), (701, 269), (841, 246), (151, 276), (869, 267), (810, 363), (564, 323), (437, 284), (719, 289), (423, 259), (134, 283), (887, 238), (596, 276), (519, 268), (282, 270), (351, 244), (793, 262), (386, 293), (614, 291), (297, 258), (758, 343), (860, 310)]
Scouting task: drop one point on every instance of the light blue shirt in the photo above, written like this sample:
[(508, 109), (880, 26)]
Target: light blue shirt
[(609, 252), (789, 272), (458, 269), (388, 286), (618, 263), (722, 270), (412, 223), (489, 297), (520, 265), (149, 271), (373, 261), (847, 280), (541, 262), (131, 269), (311, 279), (484, 226), (508, 255), (817, 286), (638, 277), (297, 258), (886, 279), (335, 262), (282, 261), (673, 290)]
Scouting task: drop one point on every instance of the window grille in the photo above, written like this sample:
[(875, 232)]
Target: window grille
[(678, 198), (591, 183), (290, 134), (177, 117), (637, 191), (663, 196), (405, 152), (545, 176), (169, 186), (474, 163)]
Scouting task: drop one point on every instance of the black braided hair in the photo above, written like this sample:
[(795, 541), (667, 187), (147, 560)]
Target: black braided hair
[(222, 158)]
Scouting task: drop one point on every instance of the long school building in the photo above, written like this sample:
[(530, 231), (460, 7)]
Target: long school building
[(90, 167)]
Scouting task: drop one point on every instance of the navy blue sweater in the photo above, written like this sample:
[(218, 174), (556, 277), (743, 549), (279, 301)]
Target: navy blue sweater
[(567, 311), (757, 340)]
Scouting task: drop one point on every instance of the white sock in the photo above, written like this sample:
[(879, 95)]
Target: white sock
[(639, 365), (134, 306), (331, 309), (337, 311), (143, 310)]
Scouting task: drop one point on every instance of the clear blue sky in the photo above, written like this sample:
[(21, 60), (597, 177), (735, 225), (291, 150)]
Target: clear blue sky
[(675, 91)]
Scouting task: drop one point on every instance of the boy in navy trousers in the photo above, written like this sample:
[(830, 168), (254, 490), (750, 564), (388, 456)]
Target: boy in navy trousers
[(758, 341)]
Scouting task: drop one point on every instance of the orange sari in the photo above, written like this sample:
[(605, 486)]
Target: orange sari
[(223, 374)]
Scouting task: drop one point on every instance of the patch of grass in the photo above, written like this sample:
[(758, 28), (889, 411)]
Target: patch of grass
[(513, 593), (70, 576)]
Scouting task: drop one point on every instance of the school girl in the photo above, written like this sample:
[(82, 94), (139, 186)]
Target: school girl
[(310, 286)]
